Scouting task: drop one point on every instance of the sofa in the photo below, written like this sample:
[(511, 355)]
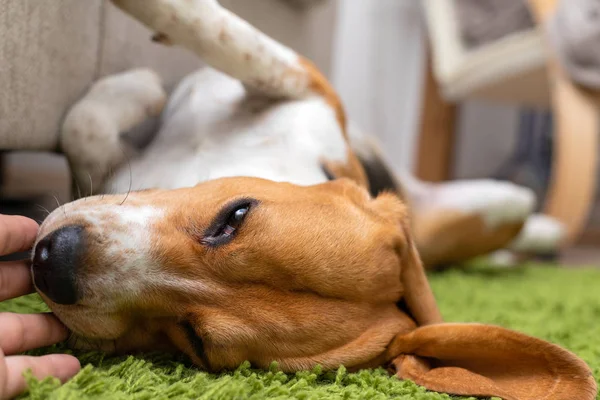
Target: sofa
[(52, 50)]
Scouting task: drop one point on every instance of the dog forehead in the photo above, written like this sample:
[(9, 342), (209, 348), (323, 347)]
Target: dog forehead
[(218, 192)]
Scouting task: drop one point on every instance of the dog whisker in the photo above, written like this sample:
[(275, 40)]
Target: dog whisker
[(72, 340), (59, 205), (41, 207), (130, 183), (91, 185), (78, 190), (130, 177)]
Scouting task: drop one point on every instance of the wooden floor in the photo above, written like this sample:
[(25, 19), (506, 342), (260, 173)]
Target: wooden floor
[(581, 256)]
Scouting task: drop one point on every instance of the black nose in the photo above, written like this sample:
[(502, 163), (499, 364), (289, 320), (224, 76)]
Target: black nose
[(55, 263)]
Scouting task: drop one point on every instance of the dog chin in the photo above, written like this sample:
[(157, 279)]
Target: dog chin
[(77, 342), (90, 324)]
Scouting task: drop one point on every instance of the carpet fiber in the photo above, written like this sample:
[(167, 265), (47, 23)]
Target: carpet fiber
[(559, 305)]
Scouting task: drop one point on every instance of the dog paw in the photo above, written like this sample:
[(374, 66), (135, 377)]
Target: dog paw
[(541, 234), (93, 129), (504, 258)]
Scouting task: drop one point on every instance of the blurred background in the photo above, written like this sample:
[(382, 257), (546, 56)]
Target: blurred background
[(454, 89)]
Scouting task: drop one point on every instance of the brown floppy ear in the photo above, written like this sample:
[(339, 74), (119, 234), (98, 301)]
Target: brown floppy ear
[(486, 360), (417, 294)]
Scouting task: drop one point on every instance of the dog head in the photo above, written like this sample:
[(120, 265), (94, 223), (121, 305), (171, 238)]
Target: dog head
[(236, 269), (247, 269)]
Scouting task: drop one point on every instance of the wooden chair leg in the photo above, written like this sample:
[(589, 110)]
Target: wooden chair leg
[(436, 137), (574, 170), (542, 9)]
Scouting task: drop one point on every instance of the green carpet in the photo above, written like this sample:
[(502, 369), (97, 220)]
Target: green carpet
[(559, 305)]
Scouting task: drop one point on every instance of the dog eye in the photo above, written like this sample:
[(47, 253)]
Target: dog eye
[(235, 220), (227, 222)]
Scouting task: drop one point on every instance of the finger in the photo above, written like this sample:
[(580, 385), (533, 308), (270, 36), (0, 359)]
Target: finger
[(22, 332), (15, 279), (17, 233), (61, 366)]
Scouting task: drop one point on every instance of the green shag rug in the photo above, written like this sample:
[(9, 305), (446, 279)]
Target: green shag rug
[(559, 305)]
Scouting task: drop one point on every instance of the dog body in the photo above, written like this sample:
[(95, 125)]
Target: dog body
[(268, 139), (245, 231), (212, 128)]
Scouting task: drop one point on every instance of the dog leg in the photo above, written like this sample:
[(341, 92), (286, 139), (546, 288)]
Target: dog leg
[(458, 220), (541, 235), (455, 221), (225, 42), (233, 46), (91, 131)]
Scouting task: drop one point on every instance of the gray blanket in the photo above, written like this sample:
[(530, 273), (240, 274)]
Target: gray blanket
[(484, 21), (575, 35)]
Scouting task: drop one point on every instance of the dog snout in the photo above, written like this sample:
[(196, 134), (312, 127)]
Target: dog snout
[(55, 261)]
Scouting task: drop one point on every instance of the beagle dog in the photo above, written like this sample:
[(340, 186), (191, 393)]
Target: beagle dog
[(252, 235)]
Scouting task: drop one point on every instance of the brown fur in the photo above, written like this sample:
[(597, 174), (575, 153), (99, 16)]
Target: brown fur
[(446, 236), (315, 275), (321, 86), (352, 169)]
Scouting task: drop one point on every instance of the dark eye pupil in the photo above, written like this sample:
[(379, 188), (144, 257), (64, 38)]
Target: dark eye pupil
[(227, 222), (234, 221), (240, 213)]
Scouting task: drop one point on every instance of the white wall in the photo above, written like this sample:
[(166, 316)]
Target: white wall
[(377, 69), (378, 65)]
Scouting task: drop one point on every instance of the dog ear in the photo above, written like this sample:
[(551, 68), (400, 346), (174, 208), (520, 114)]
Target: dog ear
[(486, 360), (417, 295)]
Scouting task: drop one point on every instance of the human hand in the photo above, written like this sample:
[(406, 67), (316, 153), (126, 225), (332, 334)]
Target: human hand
[(22, 332)]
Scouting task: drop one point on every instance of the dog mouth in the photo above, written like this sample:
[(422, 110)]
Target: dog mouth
[(82, 342)]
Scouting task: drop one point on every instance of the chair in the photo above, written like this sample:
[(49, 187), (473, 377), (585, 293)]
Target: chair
[(520, 69)]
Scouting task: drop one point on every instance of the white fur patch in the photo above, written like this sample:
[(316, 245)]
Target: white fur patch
[(497, 202), (540, 235), (503, 258), (133, 235), (130, 243), (212, 129), (227, 43)]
